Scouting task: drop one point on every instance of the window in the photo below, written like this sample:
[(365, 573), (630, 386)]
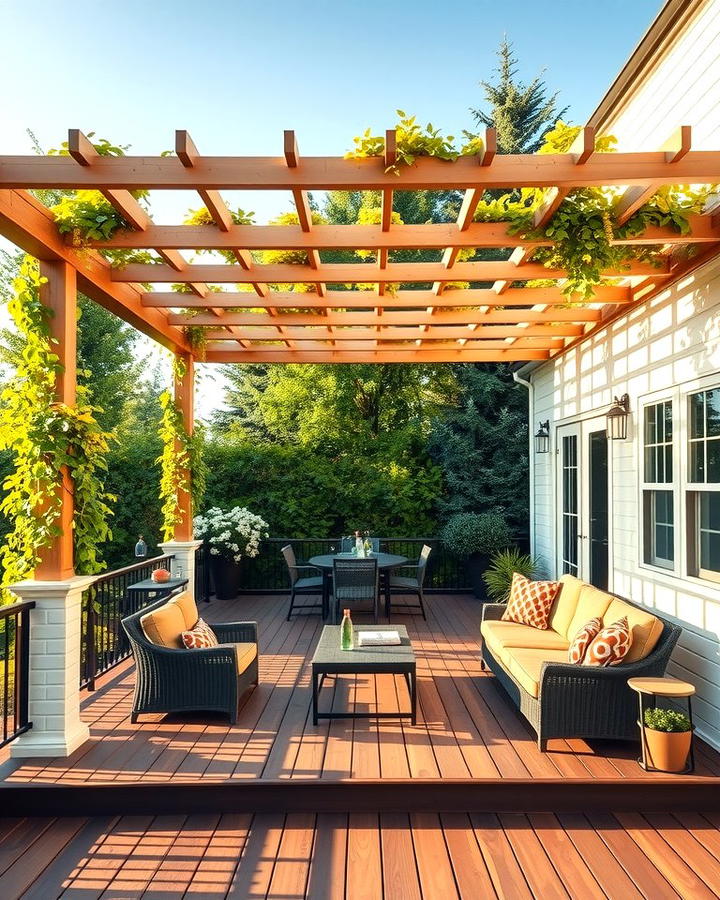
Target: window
[(704, 484), (658, 501), (570, 517)]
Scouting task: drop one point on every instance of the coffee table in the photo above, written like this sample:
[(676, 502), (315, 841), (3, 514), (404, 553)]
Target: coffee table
[(329, 659)]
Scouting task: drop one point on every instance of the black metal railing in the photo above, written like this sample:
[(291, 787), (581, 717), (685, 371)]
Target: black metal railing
[(202, 575), (105, 603), (14, 669), (267, 572)]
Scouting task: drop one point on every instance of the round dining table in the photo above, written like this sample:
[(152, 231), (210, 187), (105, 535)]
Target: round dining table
[(386, 563)]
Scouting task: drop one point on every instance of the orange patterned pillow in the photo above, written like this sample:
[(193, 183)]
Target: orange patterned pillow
[(199, 637), (581, 641), (610, 646), (530, 601)]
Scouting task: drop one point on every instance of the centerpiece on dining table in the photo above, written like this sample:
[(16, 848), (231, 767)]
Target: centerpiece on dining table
[(362, 548)]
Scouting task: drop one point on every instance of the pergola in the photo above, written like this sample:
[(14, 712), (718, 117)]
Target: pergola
[(505, 322)]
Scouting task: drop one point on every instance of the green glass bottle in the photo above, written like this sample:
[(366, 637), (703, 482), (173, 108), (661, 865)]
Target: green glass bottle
[(346, 631)]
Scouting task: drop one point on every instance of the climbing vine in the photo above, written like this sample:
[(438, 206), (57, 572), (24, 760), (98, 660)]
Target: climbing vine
[(181, 462), (47, 438)]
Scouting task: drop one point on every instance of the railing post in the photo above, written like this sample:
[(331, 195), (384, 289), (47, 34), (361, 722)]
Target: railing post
[(22, 665), (184, 553), (54, 668)]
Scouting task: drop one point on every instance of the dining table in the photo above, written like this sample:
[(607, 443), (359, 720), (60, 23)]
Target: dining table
[(386, 562)]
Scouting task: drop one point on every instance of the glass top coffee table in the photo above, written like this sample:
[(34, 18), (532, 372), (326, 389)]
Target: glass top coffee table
[(396, 659)]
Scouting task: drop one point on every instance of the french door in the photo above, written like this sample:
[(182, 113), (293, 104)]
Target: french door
[(583, 501)]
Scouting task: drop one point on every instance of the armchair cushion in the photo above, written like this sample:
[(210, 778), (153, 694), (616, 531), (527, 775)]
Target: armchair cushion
[(164, 626), (244, 655), (187, 607), (591, 603), (563, 609)]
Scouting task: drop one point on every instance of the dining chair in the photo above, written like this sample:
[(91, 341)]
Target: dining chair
[(347, 543), (411, 584), (302, 584), (355, 581)]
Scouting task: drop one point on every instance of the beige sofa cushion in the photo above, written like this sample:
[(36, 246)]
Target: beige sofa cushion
[(244, 655), (187, 607), (591, 603), (500, 635), (563, 609), (644, 627), (164, 626), (525, 665)]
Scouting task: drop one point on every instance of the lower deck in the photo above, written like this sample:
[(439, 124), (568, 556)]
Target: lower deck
[(341, 856), (467, 728)]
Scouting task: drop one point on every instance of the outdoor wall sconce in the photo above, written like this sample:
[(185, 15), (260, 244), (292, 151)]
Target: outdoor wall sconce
[(617, 418), (542, 437)]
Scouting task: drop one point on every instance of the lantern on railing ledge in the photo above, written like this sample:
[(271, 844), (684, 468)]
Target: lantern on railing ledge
[(542, 437), (617, 418), (141, 548)]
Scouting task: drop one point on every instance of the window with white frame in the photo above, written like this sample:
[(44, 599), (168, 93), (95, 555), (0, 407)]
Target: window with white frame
[(704, 484), (658, 500)]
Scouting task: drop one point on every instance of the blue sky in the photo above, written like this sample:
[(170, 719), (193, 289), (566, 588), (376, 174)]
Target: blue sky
[(235, 74)]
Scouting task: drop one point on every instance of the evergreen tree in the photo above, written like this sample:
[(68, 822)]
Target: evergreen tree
[(521, 113)]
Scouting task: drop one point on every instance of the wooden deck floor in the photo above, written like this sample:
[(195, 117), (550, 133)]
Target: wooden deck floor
[(351, 856), (467, 728)]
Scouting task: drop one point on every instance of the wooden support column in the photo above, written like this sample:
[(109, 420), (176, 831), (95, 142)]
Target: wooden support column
[(185, 400), (59, 294)]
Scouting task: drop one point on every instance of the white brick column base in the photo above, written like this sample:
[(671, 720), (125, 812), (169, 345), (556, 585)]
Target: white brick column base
[(54, 668), (184, 553)]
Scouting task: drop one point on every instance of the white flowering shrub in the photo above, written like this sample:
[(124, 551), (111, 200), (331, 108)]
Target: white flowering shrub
[(232, 532)]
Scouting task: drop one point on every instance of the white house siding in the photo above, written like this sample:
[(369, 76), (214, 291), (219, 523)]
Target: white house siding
[(665, 348), (683, 88)]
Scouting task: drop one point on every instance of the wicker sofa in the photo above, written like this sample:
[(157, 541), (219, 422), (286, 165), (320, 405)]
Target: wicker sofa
[(563, 700), (170, 678)]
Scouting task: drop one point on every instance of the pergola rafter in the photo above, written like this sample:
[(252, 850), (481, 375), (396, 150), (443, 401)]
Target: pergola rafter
[(428, 318)]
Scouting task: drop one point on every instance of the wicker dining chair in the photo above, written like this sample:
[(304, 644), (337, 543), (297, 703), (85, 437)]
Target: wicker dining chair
[(411, 584), (304, 580), (355, 581), (347, 543)]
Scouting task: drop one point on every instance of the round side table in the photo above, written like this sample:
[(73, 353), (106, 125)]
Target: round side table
[(662, 687)]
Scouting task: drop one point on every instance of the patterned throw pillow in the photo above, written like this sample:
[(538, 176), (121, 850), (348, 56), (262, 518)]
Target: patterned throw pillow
[(530, 601), (610, 646), (581, 641), (199, 637)]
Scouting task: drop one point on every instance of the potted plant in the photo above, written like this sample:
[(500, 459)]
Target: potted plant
[(667, 738), (475, 537), (499, 575), (230, 535)]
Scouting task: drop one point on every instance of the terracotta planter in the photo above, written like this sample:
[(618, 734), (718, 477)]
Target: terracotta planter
[(667, 750), (226, 577)]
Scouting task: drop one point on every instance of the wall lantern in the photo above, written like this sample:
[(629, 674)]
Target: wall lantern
[(542, 437), (617, 418), (141, 548)]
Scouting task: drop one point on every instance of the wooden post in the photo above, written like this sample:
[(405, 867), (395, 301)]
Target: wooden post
[(59, 294), (185, 399)]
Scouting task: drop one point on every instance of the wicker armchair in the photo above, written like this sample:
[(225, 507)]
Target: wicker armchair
[(355, 581), (179, 680), (304, 580), (411, 584), (576, 701)]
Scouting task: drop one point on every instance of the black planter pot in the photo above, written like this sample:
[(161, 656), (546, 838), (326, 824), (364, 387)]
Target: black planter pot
[(226, 577), (475, 565)]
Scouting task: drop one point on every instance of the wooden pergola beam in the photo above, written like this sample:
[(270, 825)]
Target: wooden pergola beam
[(337, 273), (333, 173), (458, 355), (610, 294), (408, 318), (410, 333), (30, 225)]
